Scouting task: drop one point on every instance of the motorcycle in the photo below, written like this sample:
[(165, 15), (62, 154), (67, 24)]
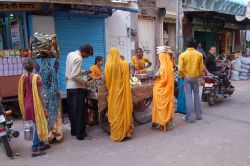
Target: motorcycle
[(6, 133), (213, 88)]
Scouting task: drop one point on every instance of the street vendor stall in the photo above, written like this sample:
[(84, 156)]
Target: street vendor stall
[(97, 104), (141, 97), (10, 71)]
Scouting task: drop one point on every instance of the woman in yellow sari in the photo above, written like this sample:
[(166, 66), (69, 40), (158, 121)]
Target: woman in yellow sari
[(163, 94), (120, 107)]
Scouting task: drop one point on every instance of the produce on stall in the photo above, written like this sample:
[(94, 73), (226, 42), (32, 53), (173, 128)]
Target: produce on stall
[(97, 101)]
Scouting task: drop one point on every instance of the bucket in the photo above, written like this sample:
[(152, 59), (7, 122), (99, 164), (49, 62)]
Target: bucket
[(28, 129)]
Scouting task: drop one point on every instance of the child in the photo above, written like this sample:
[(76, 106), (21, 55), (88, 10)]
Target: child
[(32, 107)]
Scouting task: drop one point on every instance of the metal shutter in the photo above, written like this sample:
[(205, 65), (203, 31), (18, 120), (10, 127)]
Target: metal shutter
[(72, 32)]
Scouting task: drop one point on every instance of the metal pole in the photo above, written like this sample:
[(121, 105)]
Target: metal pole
[(177, 28)]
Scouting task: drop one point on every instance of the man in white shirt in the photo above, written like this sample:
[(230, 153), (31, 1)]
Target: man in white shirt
[(76, 91)]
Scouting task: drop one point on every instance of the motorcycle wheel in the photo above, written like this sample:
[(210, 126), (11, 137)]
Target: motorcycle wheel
[(6, 146), (103, 120), (211, 99)]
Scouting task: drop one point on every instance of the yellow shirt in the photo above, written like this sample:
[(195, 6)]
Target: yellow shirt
[(191, 63), (96, 71), (139, 63)]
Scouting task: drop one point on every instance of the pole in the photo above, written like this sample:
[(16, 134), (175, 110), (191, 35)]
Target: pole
[(177, 28)]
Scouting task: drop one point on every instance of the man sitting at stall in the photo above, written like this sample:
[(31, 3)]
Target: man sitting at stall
[(138, 62)]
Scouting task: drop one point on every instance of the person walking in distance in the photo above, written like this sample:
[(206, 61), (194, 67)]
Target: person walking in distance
[(76, 91), (191, 67)]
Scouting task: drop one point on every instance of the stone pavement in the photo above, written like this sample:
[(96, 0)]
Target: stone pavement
[(221, 139)]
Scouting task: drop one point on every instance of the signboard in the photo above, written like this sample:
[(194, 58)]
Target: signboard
[(5, 7), (15, 34), (85, 9)]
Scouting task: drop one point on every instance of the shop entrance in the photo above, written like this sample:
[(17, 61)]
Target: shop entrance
[(11, 31), (207, 39)]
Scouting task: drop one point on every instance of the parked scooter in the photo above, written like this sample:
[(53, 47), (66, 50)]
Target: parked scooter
[(214, 90), (6, 133)]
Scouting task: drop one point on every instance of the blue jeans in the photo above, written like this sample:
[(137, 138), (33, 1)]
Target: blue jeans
[(191, 86), (36, 142)]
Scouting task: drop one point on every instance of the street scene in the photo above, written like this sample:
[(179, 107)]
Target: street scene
[(118, 82)]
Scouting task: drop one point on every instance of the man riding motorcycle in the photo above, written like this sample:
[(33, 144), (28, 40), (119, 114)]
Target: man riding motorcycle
[(213, 69)]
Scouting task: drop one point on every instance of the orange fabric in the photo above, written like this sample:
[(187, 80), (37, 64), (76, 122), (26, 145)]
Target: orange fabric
[(163, 92), (139, 64), (96, 72), (119, 96)]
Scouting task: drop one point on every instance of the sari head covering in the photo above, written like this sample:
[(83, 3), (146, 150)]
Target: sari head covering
[(41, 122), (119, 96), (163, 92)]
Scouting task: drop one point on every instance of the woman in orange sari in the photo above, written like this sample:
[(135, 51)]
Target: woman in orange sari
[(96, 69), (120, 106), (163, 94)]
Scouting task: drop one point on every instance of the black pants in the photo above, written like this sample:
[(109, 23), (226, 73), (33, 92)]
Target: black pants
[(224, 78), (77, 111)]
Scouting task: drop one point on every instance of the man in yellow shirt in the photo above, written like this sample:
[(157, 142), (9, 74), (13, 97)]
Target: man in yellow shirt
[(191, 67), (138, 62)]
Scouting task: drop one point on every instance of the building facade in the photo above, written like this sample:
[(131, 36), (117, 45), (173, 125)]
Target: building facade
[(75, 23)]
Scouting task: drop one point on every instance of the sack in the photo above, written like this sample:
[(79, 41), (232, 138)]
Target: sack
[(243, 70), (244, 74), (244, 66), (237, 65), (43, 46), (244, 78), (235, 75), (245, 60)]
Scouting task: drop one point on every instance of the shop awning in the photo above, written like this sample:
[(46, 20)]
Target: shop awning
[(124, 5), (232, 7)]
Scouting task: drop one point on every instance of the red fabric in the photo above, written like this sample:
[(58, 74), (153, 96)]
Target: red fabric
[(28, 96)]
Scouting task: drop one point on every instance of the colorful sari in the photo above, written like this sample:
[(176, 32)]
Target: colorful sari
[(163, 93), (51, 98), (40, 119), (119, 96)]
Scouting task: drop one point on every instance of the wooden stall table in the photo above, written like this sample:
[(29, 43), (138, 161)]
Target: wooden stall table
[(9, 87)]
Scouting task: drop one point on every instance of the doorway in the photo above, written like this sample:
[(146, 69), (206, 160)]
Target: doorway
[(146, 38), (207, 39)]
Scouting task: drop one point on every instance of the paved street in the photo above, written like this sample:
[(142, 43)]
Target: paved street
[(221, 139)]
